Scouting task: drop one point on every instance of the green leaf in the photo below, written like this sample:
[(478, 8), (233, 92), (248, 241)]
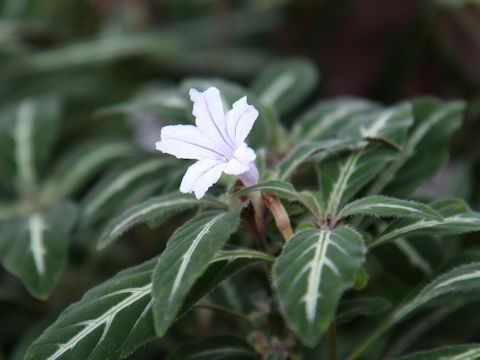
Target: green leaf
[(458, 218), (342, 178), (27, 133), (218, 347), (115, 184), (34, 248), (386, 206), (365, 306), (310, 275), (426, 148), (327, 117), (157, 207), (284, 85), (453, 352), (168, 104), (282, 189), (115, 318), (455, 285), (305, 152), (188, 253), (109, 322), (82, 163)]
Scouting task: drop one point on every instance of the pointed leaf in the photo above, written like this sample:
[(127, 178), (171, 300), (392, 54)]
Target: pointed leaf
[(27, 132), (186, 257), (151, 209), (282, 189), (458, 218), (304, 152), (310, 275), (342, 178), (35, 248), (115, 318), (426, 149), (327, 117), (286, 84), (116, 184), (83, 162), (386, 206), (453, 352)]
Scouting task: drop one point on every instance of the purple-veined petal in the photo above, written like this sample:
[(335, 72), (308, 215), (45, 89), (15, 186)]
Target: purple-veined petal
[(251, 176), (240, 120), (210, 118), (187, 142), (201, 175)]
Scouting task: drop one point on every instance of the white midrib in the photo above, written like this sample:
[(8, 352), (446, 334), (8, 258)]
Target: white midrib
[(315, 275), (35, 227), (98, 156), (275, 90), (106, 318), (419, 225), (120, 183), (472, 275), (146, 210), (23, 136), (186, 257), (390, 206), (332, 118)]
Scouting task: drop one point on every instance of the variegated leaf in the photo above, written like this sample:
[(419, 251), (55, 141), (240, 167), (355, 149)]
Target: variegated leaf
[(285, 84), (149, 210), (310, 275), (327, 117), (188, 253), (453, 352), (115, 318), (457, 218), (342, 177), (34, 248), (386, 206), (117, 183), (425, 150)]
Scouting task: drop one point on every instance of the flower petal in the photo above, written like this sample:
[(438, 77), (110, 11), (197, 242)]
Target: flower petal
[(245, 154), (240, 120), (200, 176), (187, 142), (210, 118), (235, 167)]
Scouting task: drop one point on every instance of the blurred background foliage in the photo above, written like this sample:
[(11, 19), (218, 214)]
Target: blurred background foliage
[(106, 59)]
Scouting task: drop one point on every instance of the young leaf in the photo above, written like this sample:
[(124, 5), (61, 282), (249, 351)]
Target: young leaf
[(151, 209), (341, 179), (286, 84), (310, 275), (458, 218), (328, 116), (386, 206), (426, 149), (83, 162), (115, 318), (34, 248), (452, 352), (115, 183), (188, 253), (218, 347)]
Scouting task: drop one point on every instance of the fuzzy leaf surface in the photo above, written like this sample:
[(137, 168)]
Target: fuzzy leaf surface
[(310, 275), (453, 352), (151, 209), (115, 318), (189, 251), (386, 206)]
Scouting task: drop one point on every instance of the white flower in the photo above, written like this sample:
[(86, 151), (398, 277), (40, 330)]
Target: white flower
[(217, 142)]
